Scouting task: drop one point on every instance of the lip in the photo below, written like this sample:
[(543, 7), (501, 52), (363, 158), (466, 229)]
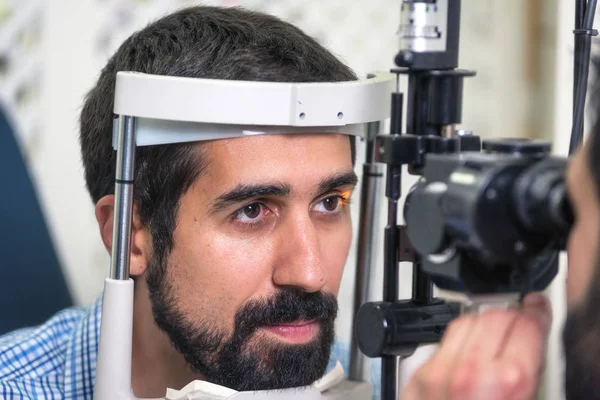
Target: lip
[(294, 332)]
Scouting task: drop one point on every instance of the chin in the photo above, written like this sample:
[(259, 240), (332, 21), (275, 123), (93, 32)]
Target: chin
[(581, 343)]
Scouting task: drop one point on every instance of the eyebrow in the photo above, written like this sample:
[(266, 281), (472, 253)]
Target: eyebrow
[(243, 192), (348, 178)]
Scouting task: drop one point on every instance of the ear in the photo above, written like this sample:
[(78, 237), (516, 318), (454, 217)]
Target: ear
[(141, 240)]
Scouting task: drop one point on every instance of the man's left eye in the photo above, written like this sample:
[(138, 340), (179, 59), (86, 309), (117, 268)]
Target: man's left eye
[(330, 204)]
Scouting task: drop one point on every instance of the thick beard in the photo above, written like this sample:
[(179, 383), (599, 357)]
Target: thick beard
[(581, 340), (229, 359)]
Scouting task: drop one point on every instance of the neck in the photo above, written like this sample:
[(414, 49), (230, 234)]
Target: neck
[(155, 364)]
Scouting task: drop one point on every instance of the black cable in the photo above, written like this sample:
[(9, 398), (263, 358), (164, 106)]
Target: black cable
[(590, 12), (580, 94), (580, 6), (581, 73), (389, 370)]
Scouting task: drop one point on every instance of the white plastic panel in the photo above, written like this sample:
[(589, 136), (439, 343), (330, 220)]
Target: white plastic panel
[(152, 132), (253, 103)]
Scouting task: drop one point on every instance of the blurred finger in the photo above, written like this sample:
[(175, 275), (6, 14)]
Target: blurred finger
[(456, 336), (489, 381), (411, 391), (489, 335), (538, 306), (432, 380), (522, 356)]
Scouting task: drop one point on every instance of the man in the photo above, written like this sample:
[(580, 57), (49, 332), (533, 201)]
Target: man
[(499, 355), (237, 246)]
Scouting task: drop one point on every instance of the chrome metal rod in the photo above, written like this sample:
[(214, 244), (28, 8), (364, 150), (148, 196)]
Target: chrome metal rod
[(373, 175), (367, 231), (123, 207)]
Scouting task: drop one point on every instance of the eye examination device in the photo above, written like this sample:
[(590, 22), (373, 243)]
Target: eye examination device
[(485, 221)]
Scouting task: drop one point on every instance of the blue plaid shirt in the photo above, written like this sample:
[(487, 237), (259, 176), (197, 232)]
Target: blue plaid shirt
[(57, 360)]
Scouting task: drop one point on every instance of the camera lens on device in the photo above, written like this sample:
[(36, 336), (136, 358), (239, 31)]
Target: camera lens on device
[(542, 199)]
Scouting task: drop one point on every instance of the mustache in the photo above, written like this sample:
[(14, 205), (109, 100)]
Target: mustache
[(284, 307)]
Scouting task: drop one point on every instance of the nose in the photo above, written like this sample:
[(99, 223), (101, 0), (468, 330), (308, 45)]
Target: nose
[(299, 263)]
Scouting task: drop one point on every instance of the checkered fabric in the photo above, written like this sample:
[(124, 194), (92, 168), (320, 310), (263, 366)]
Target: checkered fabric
[(56, 360)]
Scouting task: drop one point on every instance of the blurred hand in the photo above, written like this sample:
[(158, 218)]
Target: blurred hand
[(497, 355)]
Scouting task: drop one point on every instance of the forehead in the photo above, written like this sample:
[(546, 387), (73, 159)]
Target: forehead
[(582, 187), (285, 157)]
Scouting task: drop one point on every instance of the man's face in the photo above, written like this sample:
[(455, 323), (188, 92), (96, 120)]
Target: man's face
[(582, 329), (248, 294)]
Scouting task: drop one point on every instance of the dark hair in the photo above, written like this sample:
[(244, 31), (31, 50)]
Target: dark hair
[(202, 42)]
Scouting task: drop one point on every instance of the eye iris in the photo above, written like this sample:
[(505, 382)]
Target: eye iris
[(252, 211), (331, 203)]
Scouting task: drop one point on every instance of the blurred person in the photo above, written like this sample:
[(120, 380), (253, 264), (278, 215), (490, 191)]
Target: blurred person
[(238, 246), (499, 354)]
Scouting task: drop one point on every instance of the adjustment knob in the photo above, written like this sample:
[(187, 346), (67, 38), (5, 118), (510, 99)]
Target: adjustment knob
[(516, 146), (372, 328), (383, 328), (425, 219)]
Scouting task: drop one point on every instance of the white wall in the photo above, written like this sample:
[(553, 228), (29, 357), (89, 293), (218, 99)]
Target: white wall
[(69, 71)]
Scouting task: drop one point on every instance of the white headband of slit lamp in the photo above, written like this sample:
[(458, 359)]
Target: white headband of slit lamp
[(175, 109)]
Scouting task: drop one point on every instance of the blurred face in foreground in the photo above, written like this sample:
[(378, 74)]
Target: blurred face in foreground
[(582, 328)]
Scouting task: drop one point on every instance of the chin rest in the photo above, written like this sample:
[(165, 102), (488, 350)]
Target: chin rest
[(344, 390)]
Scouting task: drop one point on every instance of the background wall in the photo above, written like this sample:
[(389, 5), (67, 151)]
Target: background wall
[(51, 52)]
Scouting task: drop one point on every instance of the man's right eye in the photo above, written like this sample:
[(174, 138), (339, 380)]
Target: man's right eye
[(251, 214), (252, 211)]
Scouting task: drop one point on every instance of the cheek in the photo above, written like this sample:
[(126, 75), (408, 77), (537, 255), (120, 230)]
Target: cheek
[(581, 250), (335, 247), (215, 274)]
